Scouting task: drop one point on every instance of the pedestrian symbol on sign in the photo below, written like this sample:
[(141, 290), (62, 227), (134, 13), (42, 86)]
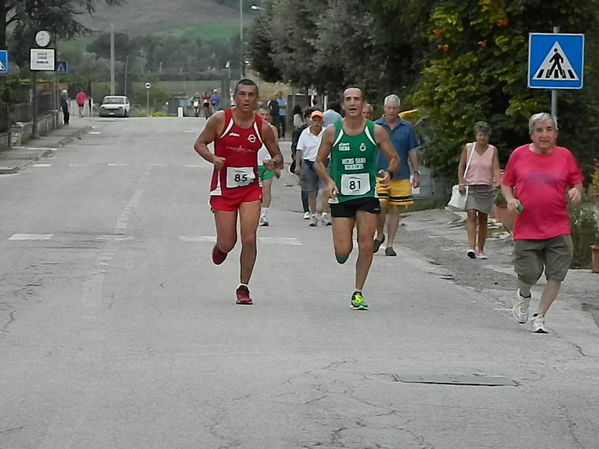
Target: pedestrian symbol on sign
[(556, 66)]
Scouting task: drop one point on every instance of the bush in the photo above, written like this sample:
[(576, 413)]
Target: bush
[(585, 231)]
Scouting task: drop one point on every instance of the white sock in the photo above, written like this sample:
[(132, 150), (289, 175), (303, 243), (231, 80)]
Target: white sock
[(264, 212)]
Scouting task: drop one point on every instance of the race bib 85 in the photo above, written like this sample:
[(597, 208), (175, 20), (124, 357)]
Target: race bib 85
[(239, 176)]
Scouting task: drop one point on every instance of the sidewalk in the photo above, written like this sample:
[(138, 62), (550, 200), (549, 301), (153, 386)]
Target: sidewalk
[(18, 157)]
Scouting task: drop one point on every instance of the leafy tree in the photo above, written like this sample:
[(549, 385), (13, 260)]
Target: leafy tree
[(476, 70), (25, 17)]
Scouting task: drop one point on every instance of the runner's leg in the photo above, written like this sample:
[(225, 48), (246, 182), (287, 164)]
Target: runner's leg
[(249, 214), (226, 229), (342, 237), (366, 224)]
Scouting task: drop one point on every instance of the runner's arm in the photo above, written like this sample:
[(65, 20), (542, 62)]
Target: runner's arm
[(496, 172), (209, 135), (386, 147), (272, 145), (324, 151)]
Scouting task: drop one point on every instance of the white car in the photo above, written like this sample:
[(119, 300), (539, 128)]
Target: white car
[(115, 105)]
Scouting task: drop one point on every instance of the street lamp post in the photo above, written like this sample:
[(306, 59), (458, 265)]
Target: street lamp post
[(241, 52)]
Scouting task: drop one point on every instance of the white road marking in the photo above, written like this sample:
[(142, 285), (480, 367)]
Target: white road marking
[(41, 165), (95, 132), (291, 241), (197, 238), (280, 241), (31, 237), (35, 148), (190, 131), (116, 164), (197, 165)]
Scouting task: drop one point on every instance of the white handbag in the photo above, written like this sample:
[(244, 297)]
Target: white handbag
[(457, 202)]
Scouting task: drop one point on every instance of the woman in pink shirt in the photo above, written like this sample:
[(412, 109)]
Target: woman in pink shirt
[(538, 182), (479, 171)]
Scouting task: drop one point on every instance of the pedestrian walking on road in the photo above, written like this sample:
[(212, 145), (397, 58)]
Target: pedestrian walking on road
[(398, 192), (539, 181), (305, 155), (266, 176), (64, 105), (297, 132), (353, 144), (235, 192), (481, 179), (81, 98)]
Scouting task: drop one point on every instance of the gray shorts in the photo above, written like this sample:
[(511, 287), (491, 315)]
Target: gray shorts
[(309, 179), (532, 257)]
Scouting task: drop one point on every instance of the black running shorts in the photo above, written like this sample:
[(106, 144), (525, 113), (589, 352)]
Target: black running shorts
[(349, 208)]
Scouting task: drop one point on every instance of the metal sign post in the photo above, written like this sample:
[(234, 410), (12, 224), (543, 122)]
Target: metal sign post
[(555, 61), (148, 86)]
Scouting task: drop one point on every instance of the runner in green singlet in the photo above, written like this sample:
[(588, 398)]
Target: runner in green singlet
[(352, 144)]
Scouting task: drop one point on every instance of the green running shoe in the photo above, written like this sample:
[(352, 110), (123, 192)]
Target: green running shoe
[(357, 302)]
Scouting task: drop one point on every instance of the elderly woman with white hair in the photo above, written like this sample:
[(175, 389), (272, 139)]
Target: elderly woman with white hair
[(538, 182), (479, 173)]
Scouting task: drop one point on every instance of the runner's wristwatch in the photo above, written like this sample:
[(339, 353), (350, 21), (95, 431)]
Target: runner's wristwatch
[(417, 172)]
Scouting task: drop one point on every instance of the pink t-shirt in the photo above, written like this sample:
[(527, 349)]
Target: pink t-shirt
[(541, 182)]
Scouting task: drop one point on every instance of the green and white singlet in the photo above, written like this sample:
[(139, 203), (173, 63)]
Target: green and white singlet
[(353, 163)]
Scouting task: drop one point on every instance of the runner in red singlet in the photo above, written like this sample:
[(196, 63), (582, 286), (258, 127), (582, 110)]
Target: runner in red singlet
[(238, 134)]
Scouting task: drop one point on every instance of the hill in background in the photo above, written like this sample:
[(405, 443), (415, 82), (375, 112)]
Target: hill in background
[(204, 18)]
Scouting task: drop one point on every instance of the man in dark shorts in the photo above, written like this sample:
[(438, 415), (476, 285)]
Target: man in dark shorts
[(238, 134), (353, 144)]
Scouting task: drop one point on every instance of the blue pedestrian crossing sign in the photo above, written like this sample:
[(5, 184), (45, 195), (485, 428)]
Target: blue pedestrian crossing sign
[(555, 60), (3, 61), (62, 67)]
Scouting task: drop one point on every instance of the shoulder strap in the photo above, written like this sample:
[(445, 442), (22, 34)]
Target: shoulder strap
[(229, 122), (369, 131), (338, 131), (471, 145)]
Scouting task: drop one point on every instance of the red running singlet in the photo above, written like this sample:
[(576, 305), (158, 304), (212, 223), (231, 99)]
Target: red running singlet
[(239, 146)]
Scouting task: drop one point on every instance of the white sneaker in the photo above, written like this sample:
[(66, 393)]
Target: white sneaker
[(537, 324), (306, 215), (313, 221), (326, 219), (481, 255), (520, 310), (263, 221)]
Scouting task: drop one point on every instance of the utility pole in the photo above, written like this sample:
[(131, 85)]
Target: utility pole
[(241, 52), (112, 90)]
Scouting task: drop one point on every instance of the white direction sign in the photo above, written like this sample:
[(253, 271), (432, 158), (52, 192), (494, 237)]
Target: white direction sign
[(42, 59)]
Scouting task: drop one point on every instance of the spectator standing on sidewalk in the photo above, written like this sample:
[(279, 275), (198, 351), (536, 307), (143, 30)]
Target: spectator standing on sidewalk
[(481, 179), (538, 182), (81, 98), (331, 115), (64, 104), (398, 192), (282, 114)]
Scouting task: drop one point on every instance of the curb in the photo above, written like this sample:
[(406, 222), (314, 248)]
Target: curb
[(60, 144)]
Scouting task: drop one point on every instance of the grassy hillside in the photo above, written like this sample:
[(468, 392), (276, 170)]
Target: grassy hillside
[(142, 17)]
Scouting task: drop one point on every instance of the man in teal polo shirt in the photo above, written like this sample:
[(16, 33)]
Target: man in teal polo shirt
[(398, 192)]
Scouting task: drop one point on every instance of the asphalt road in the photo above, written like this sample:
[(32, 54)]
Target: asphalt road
[(117, 331)]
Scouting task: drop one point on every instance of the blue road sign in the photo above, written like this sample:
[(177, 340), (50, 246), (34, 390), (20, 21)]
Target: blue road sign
[(555, 60), (62, 67), (3, 61)]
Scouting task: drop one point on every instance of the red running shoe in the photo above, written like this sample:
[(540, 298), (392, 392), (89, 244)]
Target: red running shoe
[(218, 256), (243, 296)]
